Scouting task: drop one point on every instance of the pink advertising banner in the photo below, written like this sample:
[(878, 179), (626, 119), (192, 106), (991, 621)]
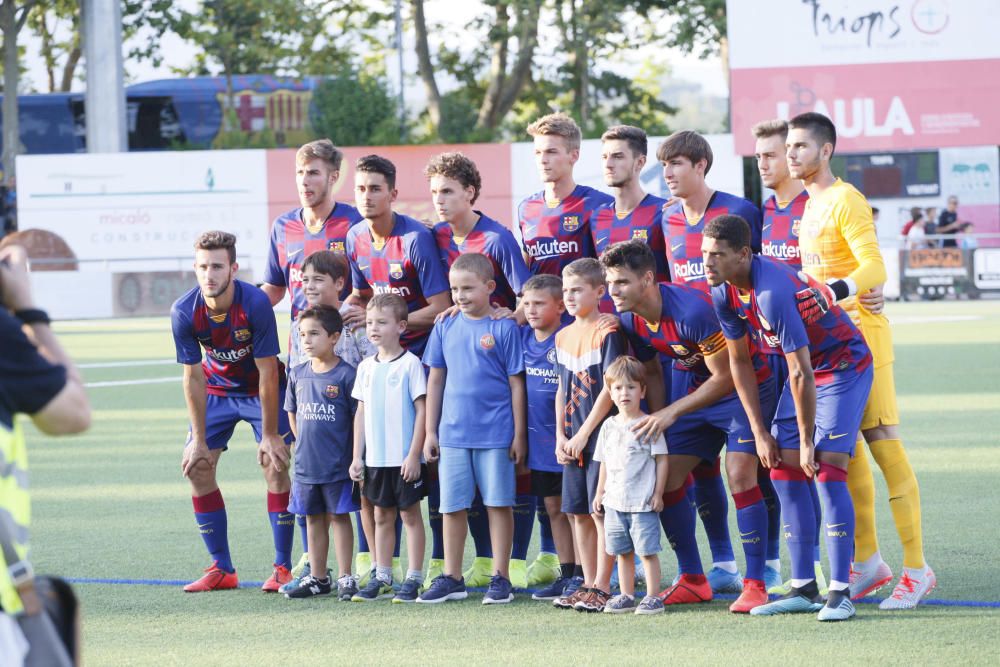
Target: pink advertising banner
[(877, 106)]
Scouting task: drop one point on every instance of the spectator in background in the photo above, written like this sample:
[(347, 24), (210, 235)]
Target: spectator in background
[(875, 216), (915, 230), (966, 240), (932, 215), (948, 222)]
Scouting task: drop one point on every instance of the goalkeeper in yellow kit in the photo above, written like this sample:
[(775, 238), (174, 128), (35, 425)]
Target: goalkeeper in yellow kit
[(841, 256)]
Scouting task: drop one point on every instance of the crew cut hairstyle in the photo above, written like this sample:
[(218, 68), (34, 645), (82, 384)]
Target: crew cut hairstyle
[(391, 303), (817, 125), (328, 317), (635, 136), (321, 149), (560, 125), (586, 268), (732, 229), (625, 368), (329, 263), (376, 164), (458, 167), (633, 255), (544, 282), (217, 240), (770, 128), (473, 262), (686, 143)]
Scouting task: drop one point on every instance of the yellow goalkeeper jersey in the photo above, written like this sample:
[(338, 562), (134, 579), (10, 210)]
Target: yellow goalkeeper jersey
[(837, 240)]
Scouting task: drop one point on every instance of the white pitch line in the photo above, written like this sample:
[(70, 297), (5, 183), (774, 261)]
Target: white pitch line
[(129, 364), (125, 383)]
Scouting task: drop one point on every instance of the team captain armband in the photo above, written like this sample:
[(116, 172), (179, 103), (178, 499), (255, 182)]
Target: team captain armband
[(712, 344)]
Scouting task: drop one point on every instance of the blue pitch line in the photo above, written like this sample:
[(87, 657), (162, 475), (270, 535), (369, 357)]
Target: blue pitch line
[(257, 584)]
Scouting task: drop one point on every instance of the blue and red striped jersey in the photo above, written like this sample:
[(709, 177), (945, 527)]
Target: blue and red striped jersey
[(644, 223), (553, 236), (292, 241), (408, 265), (687, 331), (231, 340), (780, 230), (488, 237), (769, 312), (683, 236)]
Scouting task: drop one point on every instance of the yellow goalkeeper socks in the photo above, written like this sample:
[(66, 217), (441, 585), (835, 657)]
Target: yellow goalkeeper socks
[(861, 484), (904, 498)]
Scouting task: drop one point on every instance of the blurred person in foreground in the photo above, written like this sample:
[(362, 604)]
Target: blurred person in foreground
[(37, 378)]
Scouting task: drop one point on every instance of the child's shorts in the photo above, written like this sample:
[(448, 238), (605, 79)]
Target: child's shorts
[(385, 487), (461, 471), (330, 498), (625, 532)]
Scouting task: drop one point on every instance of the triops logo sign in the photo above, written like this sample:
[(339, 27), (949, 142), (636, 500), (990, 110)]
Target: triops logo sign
[(891, 74)]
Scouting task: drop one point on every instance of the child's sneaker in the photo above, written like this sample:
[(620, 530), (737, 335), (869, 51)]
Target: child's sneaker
[(303, 572), (650, 605), (310, 587), (569, 599), (376, 589), (407, 592), (500, 591), (347, 587), (553, 591), (595, 600), (442, 589), (620, 604)]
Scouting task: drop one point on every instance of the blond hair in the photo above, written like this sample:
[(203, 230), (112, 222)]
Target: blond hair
[(587, 269), (770, 128), (559, 125), (321, 149)]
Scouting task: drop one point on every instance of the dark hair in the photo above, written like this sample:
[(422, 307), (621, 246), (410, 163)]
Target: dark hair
[(328, 262), (874, 210), (817, 125), (916, 213), (633, 255), (216, 240), (458, 167), (393, 303), (635, 136), (475, 263), (328, 317), (544, 282), (376, 164), (686, 143), (732, 229)]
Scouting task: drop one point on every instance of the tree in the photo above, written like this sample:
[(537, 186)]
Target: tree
[(13, 16), (512, 36), (336, 103)]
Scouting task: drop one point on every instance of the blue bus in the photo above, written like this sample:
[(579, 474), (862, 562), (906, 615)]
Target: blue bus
[(175, 113)]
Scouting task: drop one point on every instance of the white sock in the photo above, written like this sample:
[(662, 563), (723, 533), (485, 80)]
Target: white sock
[(774, 564), (838, 585), (799, 583), (727, 565)]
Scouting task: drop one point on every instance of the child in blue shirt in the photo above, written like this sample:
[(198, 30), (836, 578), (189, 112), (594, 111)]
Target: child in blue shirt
[(476, 411), (321, 414)]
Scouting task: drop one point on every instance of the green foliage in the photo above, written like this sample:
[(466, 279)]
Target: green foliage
[(354, 108)]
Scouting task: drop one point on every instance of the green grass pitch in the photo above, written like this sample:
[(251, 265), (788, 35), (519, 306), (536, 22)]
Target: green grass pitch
[(112, 504)]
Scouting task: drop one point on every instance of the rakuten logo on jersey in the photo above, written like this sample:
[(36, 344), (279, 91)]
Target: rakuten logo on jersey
[(295, 275), (230, 356), (389, 289), (781, 251), (552, 248), (689, 270)]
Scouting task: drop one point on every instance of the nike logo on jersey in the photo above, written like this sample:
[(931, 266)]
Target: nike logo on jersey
[(602, 240), (765, 227), (363, 267), (744, 441), (673, 248), (835, 436)]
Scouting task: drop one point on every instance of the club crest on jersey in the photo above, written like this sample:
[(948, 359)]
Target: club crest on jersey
[(550, 356), (332, 391), (640, 235), (396, 270), (680, 350), (337, 246), (242, 335), (487, 342), (570, 223), (796, 226)]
